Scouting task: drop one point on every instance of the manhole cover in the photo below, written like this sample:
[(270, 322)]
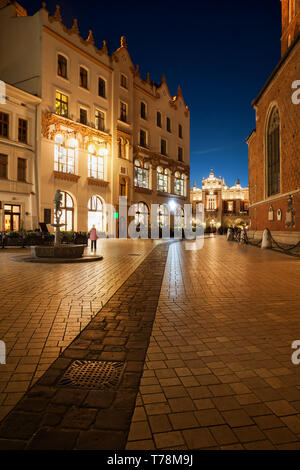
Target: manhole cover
[(93, 375)]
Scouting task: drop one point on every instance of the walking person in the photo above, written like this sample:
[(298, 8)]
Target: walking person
[(93, 238)]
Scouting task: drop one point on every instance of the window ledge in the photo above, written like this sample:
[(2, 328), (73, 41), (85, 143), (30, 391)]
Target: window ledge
[(139, 189), (66, 176), (97, 182)]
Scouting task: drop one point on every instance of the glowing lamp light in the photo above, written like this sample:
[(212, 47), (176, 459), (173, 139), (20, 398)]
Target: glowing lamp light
[(103, 151), (172, 205)]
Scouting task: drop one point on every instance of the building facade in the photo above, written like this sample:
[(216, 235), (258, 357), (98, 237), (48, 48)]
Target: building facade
[(223, 206), (104, 131), (274, 163), (18, 195)]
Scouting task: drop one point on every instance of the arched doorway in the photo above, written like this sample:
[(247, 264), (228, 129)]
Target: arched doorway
[(67, 209), (96, 214)]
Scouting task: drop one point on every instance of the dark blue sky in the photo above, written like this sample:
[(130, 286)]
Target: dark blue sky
[(220, 51)]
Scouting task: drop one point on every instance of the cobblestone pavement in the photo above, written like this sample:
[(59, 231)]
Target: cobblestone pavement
[(43, 307), (218, 373), (58, 414)]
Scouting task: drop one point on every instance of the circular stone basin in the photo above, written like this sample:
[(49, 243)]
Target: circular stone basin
[(62, 251)]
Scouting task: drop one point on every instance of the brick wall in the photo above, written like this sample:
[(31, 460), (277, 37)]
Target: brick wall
[(279, 92), (259, 215)]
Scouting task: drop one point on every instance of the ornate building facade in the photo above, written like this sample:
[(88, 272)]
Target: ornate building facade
[(18, 195), (103, 130), (274, 145), (223, 206)]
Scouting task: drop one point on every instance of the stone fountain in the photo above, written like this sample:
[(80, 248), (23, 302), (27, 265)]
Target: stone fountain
[(58, 250)]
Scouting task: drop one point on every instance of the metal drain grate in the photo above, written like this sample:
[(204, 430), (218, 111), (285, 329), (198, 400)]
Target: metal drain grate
[(93, 375)]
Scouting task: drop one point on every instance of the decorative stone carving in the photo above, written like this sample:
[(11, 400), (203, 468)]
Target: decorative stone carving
[(290, 213), (271, 214), (75, 28), (266, 240), (279, 214), (90, 38)]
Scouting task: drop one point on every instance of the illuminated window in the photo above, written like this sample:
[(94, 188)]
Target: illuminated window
[(96, 164), (83, 77), (62, 66), (67, 209), (211, 203), (162, 179), (61, 104), (3, 165), (64, 156), (273, 153), (163, 216), (179, 184), (123, 187), (96, 214), (141, 213), (141, 175), (22, 130)]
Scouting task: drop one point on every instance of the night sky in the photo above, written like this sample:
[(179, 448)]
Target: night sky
[(220, 52)]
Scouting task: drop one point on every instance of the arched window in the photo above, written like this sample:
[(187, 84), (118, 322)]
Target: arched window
[(123, 187), (179, 184), (163, 215), (162, 179), (96, 164), (141, 175), (67, 209), (141, 213), (96, 214), (64, 155), (273, 153)]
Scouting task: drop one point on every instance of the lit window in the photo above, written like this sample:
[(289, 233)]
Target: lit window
[(179, 184), (96, 164), (61, 104), (67, 212), (96, 214), (64, 157), (141, 175), (162, 180)]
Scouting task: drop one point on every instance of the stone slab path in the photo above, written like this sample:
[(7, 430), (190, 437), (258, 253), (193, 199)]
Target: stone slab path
[(218, 373), (44, 307)]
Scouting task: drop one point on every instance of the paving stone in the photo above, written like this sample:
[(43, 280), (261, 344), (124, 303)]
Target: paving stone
[(139, 431), (50, 439), (199, 438), (281, 408), (168, 439), (183, 420), (101, 440), (79, 418), (223, 434), (159, 423), (209, 417), (249, 433)]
